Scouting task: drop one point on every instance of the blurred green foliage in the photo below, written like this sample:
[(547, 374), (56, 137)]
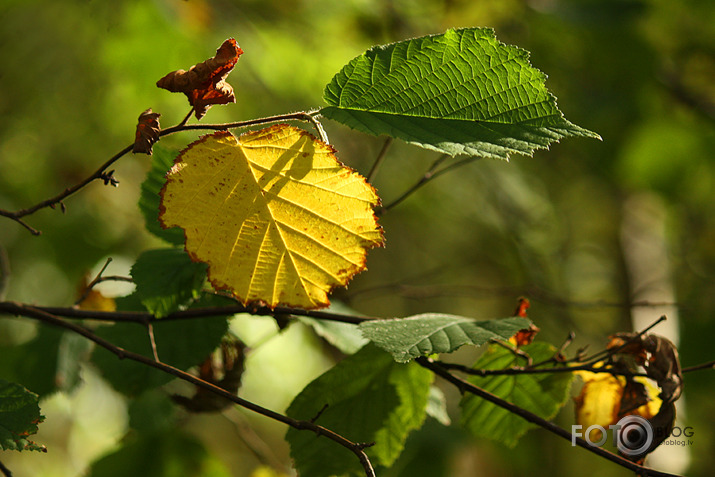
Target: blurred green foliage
[(76, 75)]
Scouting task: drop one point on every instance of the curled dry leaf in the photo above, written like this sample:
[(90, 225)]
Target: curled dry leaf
[(204, 84), (147, 134)]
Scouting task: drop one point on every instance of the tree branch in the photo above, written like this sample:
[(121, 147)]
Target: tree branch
[(465, 386), (121, 353), (143, 317)]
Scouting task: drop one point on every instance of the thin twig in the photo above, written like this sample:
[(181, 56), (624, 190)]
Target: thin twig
[(465, 386), (697, 367), (187, 117), (13, 216), (611, 351), (121, 353), (94, 281), (57, 199), (152, 341), (379, 159)]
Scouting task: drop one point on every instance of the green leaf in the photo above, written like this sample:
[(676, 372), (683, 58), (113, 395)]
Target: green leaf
[(461, 92), (542, 394), (19, 416), (161, 162), (180, 343), (167, 279), (165, 454), (408, 338), (344, 336), (366, 397)]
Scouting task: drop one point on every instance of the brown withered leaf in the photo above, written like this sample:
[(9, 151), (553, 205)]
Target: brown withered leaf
[(204, 84), (664, 366), (147, 134)]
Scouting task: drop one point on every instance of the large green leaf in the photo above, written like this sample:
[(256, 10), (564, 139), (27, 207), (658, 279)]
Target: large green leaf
[(161, 162), (19, 416), (367, 397), (461, 92), (542, 394), (167, 279), (408, 338)]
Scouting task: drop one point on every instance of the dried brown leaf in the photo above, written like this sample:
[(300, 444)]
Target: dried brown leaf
[(147, 134), (204, 84)]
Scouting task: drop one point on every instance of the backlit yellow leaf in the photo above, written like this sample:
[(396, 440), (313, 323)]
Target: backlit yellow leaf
[(277, 217), (599, 401), (603, 397)]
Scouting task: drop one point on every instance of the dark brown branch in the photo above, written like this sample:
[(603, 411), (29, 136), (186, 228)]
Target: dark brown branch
[(48, 318), (5, 471), (697, 367), (144, 317), (465, 386)]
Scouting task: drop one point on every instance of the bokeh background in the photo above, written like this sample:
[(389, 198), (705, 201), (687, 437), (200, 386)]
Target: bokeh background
[(601, 236)]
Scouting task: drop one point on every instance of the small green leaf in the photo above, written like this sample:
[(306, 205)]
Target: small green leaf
[(180, 343), (167, 279), (408, 338), (461, 92), (367, 397), (161, 162), (542, 394), (19, 416)]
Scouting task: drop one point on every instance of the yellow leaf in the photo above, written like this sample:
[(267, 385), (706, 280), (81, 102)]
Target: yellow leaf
[(599, 401), (602, 400), (278, 219)]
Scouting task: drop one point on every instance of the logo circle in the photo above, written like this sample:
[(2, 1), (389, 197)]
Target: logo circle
[(634, 435)]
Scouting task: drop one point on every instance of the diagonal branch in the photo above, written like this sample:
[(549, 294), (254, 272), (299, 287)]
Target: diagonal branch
[(121, 353), (465, 386)]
